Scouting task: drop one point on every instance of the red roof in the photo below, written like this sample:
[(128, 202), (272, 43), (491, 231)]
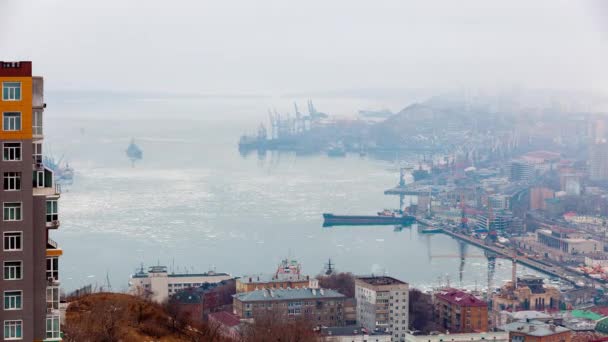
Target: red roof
[(460, 298), (225, 318)]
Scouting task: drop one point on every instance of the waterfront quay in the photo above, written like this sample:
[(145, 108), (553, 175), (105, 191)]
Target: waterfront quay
[(508, 253)]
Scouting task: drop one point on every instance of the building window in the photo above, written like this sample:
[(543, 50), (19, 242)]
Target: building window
[(37, 153), (52, 268), (37, 123), (11, 91), (52, 327), (12, 211), (12, 300), (52, 297), (12, 270), (11, 121), (12, 181), (52, 214), (13, 330), (12, 241), (11, 151)]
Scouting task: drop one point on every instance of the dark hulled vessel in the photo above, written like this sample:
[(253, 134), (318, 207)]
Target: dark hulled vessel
[(371, 220)]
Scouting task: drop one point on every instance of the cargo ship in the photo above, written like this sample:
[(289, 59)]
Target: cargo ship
[(382, 218)]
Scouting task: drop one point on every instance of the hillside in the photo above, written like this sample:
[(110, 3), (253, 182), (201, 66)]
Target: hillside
[(110, 317)]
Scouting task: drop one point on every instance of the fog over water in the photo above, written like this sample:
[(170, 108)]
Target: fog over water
[(196, 202)]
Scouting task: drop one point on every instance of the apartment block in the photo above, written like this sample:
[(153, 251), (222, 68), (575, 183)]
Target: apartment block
[(382, 305), (323, 306), (159, 284), (534, 331), (29, 197), (460, 312)]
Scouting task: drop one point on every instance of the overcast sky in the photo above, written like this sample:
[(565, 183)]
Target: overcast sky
[(268, 46)]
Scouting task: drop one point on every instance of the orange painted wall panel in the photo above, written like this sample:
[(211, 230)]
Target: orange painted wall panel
[(24, 106)]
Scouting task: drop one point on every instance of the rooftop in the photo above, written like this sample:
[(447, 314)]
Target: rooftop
[(460, 298), (381, 280), (541, 156), (195, 295), (350, 330), (529, 315), (15, 69), (163, 270), (287, 294), (586, 315), (270, 278), (534, 328)]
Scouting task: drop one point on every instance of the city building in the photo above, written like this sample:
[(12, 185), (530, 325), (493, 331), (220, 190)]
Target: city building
[(499, 202), (199, 302), (498, 336), (287, 275), (159, 284), (29, 197), (527, 292), (507, 317), (542, 161), (497, 221), (568, 241), (521, 171), (383, 304), (353, 333), (598, 161), (570, 183), (538, 195), (534, 331), (460, 312), (323, 306)]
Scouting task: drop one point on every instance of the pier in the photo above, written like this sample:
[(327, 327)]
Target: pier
[(556, 271)]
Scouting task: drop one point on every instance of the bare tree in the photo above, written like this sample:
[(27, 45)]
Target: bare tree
[(275, 326), (341, 282)]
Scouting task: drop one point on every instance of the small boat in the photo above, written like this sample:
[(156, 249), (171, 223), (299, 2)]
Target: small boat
[(134, 152), (336, 150)]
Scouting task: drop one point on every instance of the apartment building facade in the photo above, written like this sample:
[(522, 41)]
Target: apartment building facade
[(460, 312), (382, 305), (323, 306), (29, 197), (159, 284), (534, 331)]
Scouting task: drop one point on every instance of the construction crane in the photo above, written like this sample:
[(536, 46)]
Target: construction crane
[(463, 219)]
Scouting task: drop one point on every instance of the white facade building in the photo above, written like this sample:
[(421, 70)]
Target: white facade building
[(499, 336), (160, 284), (382, 304)]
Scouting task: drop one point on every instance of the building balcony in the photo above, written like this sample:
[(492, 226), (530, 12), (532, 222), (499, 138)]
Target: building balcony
[(52, 249), (54, 224), (37, 132), (50, 191)]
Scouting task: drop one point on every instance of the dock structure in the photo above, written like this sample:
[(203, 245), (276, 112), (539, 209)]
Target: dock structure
[(414, 189), (556, 271)]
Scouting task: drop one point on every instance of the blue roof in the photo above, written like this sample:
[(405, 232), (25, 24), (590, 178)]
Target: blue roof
[(287, 294)]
